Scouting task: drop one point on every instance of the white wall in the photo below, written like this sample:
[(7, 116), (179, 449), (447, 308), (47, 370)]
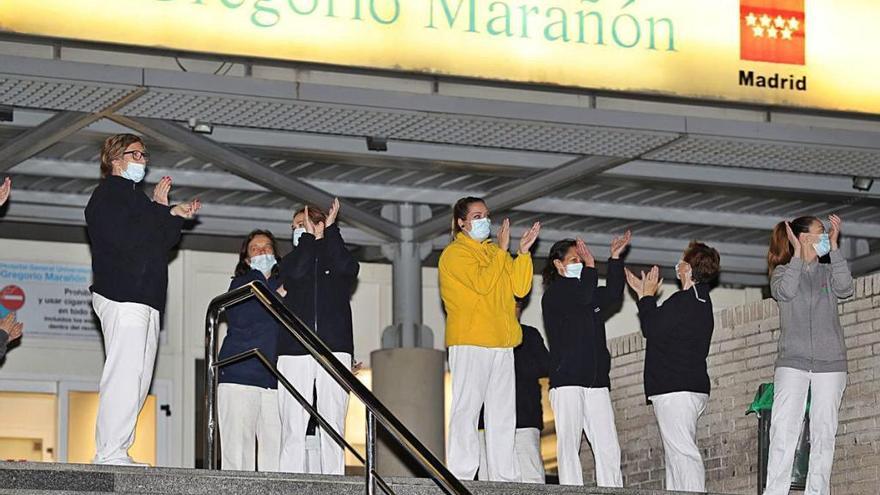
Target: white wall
[(194, 279)]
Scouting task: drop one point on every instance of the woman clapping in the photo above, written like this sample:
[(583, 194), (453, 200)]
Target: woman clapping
[(478, 283), (574, 318), (678, 334), (808, 275), (319, 276)]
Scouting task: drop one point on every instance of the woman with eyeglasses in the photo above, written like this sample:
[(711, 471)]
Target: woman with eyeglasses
[(247, 399), (808, 277), (678, 334), (319, 276), (479, 281), (575, 309), (131, 237)]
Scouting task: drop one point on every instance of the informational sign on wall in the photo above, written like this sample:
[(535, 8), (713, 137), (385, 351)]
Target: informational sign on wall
[(52, 300), (810, 54)]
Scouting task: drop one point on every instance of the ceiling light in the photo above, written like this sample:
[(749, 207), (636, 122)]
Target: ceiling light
[(200, 127), (377, 143), (862, 183)]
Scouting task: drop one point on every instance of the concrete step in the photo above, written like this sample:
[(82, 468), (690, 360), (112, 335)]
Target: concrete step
[(25, 478)]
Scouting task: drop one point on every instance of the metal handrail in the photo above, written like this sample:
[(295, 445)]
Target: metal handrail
[(341, 373), (255, 353), (373, 477)]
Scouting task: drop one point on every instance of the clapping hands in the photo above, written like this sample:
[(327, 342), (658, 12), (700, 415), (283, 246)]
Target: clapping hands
[(12, 327), (833, 236), (5, 187), (619, 243), (529, 237), (316, 229), (187, 210), (646, 285), (584, 253), (161, 190)]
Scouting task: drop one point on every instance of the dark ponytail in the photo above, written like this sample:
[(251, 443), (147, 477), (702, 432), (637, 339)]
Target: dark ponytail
[(781, 251), (460, 211), (557, 252)]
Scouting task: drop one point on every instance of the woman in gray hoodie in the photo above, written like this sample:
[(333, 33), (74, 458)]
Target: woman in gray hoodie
[(808, 275)]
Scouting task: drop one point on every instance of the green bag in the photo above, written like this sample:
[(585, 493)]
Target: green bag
[(764, 400)]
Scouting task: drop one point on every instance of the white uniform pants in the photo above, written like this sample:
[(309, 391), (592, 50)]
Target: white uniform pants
[(677, 414), (131, 335), (305, 375), (482, 377), (313, 454), (789, 402), (250, 427), (528, 456), (587, 410)]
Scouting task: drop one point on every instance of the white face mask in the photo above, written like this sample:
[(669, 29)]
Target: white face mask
[(480, 229), (297, 233), (678, 273), (574, 270), (263, 263), (135, 171)]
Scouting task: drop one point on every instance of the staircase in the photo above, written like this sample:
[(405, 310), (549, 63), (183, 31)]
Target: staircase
[(25, 478)]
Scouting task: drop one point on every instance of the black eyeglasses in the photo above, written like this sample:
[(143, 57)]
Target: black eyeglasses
[(138, 154)]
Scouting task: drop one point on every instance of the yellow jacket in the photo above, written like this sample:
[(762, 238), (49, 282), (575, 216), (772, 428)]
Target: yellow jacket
[(478, 283)]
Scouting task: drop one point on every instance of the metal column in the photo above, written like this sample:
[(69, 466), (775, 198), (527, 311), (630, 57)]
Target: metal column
[(406, 258)]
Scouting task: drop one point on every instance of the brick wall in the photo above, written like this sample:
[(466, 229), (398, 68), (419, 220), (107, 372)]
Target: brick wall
[(741, 357)]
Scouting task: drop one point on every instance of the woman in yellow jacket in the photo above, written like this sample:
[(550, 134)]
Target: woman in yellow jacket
[(478, 282)]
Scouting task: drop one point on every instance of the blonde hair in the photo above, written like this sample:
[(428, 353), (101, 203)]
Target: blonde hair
[(113, 148)]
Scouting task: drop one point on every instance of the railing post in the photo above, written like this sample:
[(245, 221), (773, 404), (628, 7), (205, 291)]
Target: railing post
[(370, 465), (211, 389)]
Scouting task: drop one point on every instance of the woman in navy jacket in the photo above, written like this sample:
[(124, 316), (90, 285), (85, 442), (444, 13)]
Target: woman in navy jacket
[(319, 276), (678, 334), (574, 310), (246, 397)]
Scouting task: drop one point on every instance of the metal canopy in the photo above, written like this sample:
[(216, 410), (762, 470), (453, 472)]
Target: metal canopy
[(580, 171)]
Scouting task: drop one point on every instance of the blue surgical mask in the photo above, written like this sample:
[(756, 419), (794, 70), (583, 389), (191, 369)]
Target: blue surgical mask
[(263, 263), (574, 270), (480, 229), (823, 247), (135, 172), (297, 233)]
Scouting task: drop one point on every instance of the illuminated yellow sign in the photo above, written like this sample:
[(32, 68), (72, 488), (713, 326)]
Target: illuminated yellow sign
[(799, 53)]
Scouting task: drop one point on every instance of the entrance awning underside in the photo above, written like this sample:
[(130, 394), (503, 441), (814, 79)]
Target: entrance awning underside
[(581, 171)]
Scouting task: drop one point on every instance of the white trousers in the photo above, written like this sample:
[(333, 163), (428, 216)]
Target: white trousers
[(313, 454), (250, 427), (587, 410), (790, 388), (482, 377), (305, 375), (131, 335), (677, 414), (528, 456)]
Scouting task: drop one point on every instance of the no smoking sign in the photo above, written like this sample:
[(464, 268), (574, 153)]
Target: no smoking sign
[(12, 297)]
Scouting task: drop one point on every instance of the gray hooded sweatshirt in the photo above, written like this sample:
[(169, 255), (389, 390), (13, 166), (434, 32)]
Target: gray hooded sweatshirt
[(811, 337)]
